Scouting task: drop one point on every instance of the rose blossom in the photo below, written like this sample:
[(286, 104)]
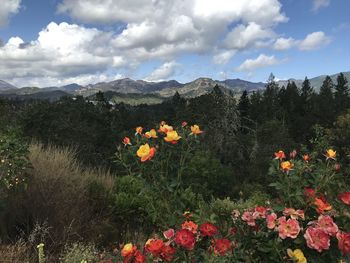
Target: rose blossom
[(271, 221), (326, 223), (317, 239), (288, 228), (344, 242)]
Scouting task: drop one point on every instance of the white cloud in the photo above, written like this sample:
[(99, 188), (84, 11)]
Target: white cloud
[(242, 37), (162, 29), (223, 57), (284, 43), (164, 72), (261, 61), (314, 40), (317, 4), (50, 57), (8, 8)]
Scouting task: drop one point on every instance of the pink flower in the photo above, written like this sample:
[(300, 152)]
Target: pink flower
[(294, 214), (260, 212), (248, 217), (326, 223), (317, 239), (169, 233), (271, 221), (344, 242), (288, 228)]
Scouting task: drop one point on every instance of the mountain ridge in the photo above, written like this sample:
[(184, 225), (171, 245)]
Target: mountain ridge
[(164, 89)]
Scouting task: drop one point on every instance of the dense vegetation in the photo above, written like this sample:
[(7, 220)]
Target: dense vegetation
[(73, 185)]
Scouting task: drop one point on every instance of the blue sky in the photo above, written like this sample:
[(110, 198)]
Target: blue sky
[(57, 42)]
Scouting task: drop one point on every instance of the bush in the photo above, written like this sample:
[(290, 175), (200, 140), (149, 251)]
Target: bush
[(78, 252), (71, 200)]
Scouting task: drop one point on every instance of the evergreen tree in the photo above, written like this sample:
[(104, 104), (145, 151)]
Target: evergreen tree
[(324, 108), (270, 104), (243, 109), (341, 94)]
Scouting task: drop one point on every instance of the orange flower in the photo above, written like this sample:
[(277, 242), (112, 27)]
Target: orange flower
[(280, 155), (306, 158), (145, 152), (195, 130), (330, 154), (164, 128), (286, 166), (139, 130), (151, 134), (190, 225), (126, 141), (128, 249), (322, 205), (172, 137)]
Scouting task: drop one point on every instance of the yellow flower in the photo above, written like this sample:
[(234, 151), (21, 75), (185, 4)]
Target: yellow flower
[(195, 130), (286, 166), (139, 130), (330, 154), (297, 255), (172, 137), (145, 152), (151, 134), (128, 249)]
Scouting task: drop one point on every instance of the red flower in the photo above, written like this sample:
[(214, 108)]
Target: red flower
[(309, 193), (306, 157), (344, 242), (337, 167), (280, 155), (139, 257), (154, 246), (222, 246), (183, 124), (126, 141), (208, 229), (167, 253), (345, 198), (185, 238)]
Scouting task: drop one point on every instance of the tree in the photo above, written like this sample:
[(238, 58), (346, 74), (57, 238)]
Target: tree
[(341, 94), (324, 108), (270, 104), (243, 105)]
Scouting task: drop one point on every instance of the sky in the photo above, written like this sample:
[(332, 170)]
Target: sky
[(58, 42)]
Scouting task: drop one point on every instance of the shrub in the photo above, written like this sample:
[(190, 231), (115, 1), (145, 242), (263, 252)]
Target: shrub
[(71, 200), (78, 252)]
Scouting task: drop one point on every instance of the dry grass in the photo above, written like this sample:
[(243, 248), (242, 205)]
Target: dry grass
[(15, 253), (73, 201)]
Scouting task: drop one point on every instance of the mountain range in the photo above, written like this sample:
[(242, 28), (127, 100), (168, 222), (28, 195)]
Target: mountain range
[(154, 90)]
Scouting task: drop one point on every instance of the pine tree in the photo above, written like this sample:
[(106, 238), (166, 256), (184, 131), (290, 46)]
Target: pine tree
[(341, 95), (325, 103)]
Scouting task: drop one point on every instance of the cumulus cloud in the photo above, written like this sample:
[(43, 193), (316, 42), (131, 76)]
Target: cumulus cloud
[(223, 57), (242, 37), (61, 51), (8, 8), (261, 61), (314, 40), (317, 4), (163, 72), (284, 43), (162, 29)]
